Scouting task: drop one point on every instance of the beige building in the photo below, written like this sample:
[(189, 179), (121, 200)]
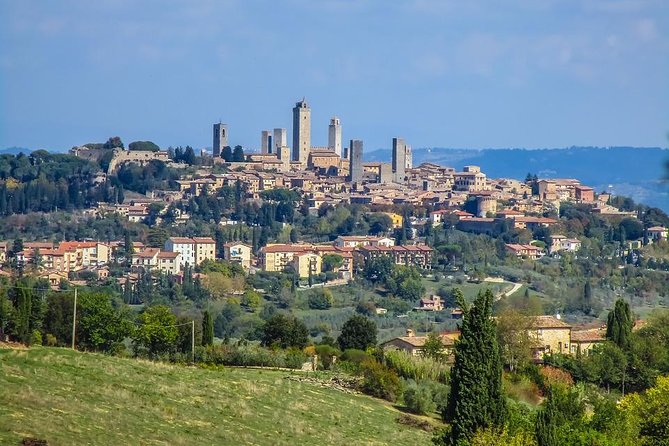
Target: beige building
[(355, 241), (553, 336), (583, 341), (306, 264), (168, 262), (413, 344), (301, 132), (238, 252), (471, 179)]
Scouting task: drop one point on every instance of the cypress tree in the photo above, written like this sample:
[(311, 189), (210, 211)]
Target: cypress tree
[(207, 329), (619, 324), (475, 400), (587, 297)]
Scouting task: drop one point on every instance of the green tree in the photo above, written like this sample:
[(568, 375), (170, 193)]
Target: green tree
[(100, 326), (560, 418), (332, 262), (379, 269), (515, 339), (284, 331), (434, 347), (226, 153), (157, 334), (619, 324), (320, 300), (358, 332), (587, 297), (207, 329), (113, 143), (143, 145), (475, 400), (238, 154)]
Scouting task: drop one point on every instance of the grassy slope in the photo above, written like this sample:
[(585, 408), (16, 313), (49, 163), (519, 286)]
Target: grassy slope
[(72, 398)]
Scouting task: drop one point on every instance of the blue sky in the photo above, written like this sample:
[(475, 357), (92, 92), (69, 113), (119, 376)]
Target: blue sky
[(474, 74)]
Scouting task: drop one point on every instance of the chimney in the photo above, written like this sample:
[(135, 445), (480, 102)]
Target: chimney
[(410, 333)]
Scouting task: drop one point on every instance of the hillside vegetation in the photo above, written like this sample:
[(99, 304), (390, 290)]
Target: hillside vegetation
[(72, 398)]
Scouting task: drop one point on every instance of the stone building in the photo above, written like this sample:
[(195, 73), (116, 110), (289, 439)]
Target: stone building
[(334, 136), (279, 139), (402, 159), (301, 132), (355, 168), (220, 139)]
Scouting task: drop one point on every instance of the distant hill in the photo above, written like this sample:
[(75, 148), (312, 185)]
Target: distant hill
[(631, 171), (15, 150), (73, 398)]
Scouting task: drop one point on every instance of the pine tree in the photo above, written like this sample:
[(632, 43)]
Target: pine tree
[(619, 324), (475, 400), (207, 329)]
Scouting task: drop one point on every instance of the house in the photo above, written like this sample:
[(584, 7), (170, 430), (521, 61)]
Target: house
[(656, 233), (582, 341), (434, 303), (193, 251), (530, 252), (355, 241), (562, 243), (396, 219), (552, 336), (584, 194), (238, 252), (169, 262), (307, 264), (413, 344), (419, 256)]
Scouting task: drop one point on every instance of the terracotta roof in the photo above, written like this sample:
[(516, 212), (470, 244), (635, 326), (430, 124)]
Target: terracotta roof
[(167, 255), (207, 240), (548, 322), (591, 335)]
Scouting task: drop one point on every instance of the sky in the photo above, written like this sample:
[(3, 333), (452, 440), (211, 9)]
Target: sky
[(443, 73)]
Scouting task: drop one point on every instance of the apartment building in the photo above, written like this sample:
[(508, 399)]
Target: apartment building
[(193, 251)]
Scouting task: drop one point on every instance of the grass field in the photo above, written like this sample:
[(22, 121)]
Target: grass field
[(71, 398)]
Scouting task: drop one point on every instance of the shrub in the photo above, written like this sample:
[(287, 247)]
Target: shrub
[(553, 375), (326, 356), (36, 338), (417, 367), (250, 356), (380, 381), (321, 300), (51, 340), (418, 399)]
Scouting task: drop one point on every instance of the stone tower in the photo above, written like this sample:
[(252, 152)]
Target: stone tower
[(334, 135), (220, 138), (402, 159), (301, 132), (266, 141), (355, 167), (279, 140)]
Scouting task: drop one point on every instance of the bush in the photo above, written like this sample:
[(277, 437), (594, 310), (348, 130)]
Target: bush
[(36, 338), (416, 367), (418, 399), (326, 356), (51, 340), (321, 300), (250, 356), (380, 381)]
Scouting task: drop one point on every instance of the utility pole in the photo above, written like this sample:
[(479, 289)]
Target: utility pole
[(192, 339), (74, 318)]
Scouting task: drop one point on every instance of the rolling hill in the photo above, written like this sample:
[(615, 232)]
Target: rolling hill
[(73, 398)]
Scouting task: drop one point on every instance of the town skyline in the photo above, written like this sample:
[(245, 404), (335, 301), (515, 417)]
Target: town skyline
[(440, 74)]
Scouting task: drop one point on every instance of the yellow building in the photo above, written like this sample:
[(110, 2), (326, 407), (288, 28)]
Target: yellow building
[(238, 252), (395, 218), (306, 264), (583, 341), (552, 334)]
